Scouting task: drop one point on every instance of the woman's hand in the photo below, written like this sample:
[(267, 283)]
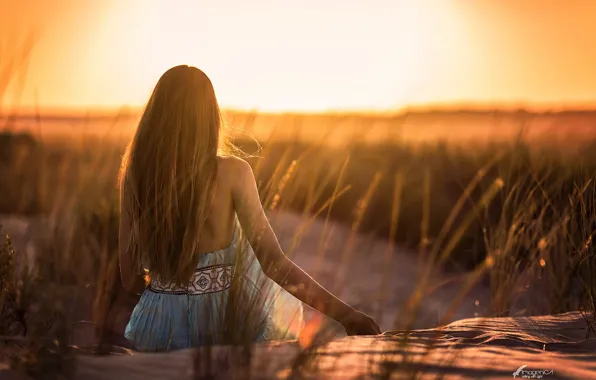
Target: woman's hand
[(358, 323)]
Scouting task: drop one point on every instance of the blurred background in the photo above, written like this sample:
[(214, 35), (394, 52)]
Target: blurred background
[(432, 156)]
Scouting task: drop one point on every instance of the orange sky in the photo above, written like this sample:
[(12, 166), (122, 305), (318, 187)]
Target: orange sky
[(311, 54)]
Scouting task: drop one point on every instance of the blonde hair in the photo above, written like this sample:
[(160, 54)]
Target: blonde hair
[(168, 173)]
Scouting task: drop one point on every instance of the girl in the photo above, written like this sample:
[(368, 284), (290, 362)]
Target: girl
[(191, 218)]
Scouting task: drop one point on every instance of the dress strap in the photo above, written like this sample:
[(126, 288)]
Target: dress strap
[(236, 233)]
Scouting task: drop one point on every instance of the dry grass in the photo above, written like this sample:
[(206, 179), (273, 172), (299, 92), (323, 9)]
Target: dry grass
[(500, 211)]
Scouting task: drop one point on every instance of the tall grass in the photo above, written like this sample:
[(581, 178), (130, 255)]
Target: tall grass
[(498, 211), (504, 213)]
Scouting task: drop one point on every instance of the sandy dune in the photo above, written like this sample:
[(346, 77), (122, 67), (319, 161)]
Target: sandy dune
[(364, 275), (554, 347), (466, 348), (492, 348), (375, 281)]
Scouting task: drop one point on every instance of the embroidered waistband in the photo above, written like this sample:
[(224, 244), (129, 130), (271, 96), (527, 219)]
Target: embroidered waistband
[(211, 279)]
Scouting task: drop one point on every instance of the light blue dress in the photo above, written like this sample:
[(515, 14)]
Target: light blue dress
[(229, 301)]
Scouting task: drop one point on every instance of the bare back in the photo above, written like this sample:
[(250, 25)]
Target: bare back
[(236, 195), (219, 226)]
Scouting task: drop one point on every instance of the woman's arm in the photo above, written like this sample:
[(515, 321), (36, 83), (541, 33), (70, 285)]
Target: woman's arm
[(276, 265), (132, 280)]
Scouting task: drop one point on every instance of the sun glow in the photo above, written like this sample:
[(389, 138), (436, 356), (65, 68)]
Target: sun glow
[(312, 55), (263, 56)]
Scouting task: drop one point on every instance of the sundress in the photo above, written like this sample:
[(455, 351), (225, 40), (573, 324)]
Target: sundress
[(228, 301)]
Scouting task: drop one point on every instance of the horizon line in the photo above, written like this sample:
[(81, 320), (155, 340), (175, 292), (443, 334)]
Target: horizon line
[(126, 110)]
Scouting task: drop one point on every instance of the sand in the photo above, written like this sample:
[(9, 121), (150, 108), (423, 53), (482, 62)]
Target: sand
[(492, 348), (363, 270), (479, 348), (466, 348)]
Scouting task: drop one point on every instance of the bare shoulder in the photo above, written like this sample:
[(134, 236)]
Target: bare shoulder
[(233, 165), (233, 169)]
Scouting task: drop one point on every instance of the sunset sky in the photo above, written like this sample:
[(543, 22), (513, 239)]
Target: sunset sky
[(310, 54)]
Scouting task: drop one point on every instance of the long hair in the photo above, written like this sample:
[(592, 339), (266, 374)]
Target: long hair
[(168, 174)]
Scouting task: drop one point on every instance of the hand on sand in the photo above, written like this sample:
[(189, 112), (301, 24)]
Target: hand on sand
[(358, 323)]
